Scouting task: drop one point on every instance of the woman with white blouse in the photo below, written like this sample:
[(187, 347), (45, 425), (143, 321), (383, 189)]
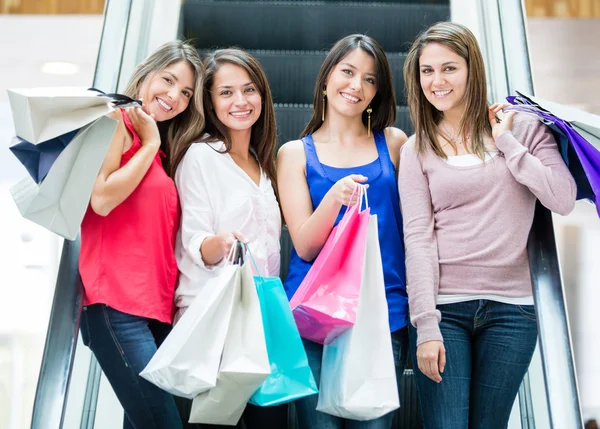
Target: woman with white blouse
[(226, 184)]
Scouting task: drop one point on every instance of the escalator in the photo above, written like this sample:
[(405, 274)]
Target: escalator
[(290, 39)]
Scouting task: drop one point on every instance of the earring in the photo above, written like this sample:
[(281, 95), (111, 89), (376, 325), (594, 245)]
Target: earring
[(323, 111), (369, 111)]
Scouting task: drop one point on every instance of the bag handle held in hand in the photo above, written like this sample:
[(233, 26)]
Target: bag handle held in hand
[(118, 100), (362, 196), (236, 254), (247, 249)]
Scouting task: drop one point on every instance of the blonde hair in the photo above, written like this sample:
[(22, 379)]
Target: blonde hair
[(186, 127), (474, 123)]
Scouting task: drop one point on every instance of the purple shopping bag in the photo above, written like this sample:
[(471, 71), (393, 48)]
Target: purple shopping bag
[(580, 154)]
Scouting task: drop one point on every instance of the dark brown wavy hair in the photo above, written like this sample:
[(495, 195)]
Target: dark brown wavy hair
[(185, 128), (474, 123), (263, 139), (384, 102)]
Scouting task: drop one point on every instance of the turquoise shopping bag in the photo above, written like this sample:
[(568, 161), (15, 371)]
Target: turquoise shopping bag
[(291, 377)]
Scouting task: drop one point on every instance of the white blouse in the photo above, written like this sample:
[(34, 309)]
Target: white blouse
[(217, 196)]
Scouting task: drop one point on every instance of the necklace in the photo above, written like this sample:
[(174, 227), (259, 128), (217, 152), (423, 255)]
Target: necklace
[(451, 139)]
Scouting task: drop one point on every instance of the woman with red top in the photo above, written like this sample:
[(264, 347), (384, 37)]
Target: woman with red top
[(127, 260)]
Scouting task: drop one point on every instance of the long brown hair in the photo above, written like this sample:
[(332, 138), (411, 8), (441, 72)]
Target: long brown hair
[(186, 127), (474, 123), (263, 139), (384, 102)]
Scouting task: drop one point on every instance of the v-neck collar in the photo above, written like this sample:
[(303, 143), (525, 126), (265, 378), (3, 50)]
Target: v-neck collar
[(241, 170)]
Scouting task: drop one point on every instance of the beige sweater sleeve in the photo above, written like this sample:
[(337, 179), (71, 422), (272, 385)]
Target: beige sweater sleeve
[(533, 158), (422, 263)]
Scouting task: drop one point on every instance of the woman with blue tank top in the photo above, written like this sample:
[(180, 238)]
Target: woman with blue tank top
[(349, 141)]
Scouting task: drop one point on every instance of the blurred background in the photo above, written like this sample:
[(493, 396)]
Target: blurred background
[(55, 43)]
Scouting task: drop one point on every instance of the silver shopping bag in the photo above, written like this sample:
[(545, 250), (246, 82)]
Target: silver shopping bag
[(187, 362), (40, 114), (59, 203), (245, 362), (358, 375)]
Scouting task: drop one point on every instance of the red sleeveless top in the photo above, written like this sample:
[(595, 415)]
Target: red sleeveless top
[(127, 258)]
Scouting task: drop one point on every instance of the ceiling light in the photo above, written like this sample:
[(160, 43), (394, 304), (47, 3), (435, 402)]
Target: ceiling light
[(60, 67)]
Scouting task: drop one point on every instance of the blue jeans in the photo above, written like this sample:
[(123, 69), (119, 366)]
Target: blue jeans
[(123, 345), (489, 346), (306, 408)]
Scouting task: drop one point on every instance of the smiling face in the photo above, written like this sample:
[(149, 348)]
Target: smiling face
[(443, 76), (235, 98), (352, 84), (168, 92)]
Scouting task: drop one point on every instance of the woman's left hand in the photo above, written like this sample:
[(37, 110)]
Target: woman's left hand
[(503, 123)]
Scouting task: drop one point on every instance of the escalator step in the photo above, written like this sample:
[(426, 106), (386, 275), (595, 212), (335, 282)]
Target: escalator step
[(292, 118), (303, 25), (292, 74)]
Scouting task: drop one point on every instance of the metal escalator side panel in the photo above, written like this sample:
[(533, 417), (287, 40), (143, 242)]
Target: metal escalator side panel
[(51, 395), (59, 350)]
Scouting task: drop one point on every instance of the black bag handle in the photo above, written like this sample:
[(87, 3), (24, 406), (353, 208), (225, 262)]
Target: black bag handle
[(117, 99), (239, 253)]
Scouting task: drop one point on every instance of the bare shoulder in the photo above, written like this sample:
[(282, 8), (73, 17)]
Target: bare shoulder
[(292, 153), (395, 138)]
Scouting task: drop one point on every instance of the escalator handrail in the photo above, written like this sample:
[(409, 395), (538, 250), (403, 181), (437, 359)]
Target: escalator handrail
[(52, 390), (553, 325)]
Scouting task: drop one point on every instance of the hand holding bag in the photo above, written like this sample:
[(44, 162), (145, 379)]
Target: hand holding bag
[(245, 362), (187, 362)]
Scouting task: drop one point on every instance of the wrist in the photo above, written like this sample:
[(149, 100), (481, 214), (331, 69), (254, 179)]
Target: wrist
[(212, 249), (331, 202), (152, 143)]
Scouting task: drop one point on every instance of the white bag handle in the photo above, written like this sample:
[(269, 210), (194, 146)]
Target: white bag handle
[(362, 196)]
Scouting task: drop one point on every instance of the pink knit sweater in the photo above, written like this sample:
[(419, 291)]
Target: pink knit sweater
[(466, 228)]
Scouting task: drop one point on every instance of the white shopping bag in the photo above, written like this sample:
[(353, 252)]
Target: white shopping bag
[(40, 114), (245, 363), (59, 203), (187, 362), (358, 375)]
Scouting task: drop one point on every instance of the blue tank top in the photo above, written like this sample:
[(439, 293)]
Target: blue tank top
[(384, 202)]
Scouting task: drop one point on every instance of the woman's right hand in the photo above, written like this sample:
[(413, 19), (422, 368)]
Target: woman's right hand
[(431, 359), (144, 125), (344, 191), (228, 239)]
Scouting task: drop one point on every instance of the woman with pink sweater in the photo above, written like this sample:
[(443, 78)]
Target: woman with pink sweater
[(469, 182)]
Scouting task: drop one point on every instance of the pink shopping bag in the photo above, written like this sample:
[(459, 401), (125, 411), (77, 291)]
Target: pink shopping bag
[(325, 304)]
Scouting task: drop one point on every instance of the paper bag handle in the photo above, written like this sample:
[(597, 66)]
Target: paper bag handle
[(362, 195), (118, 100)]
